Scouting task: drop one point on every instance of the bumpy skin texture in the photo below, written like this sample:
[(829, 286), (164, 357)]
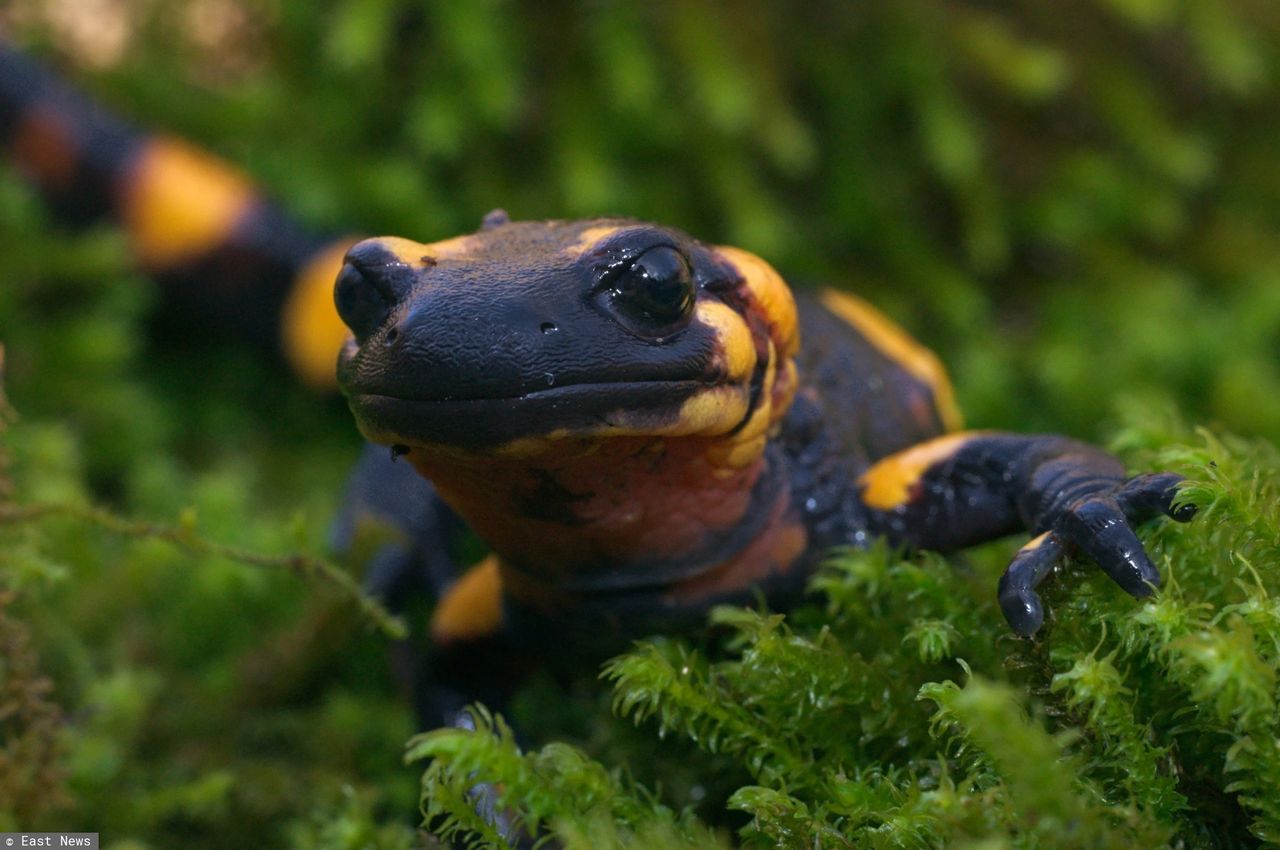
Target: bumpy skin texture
[(640, 425)]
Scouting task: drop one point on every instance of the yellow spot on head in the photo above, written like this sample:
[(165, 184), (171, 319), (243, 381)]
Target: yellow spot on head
[(774, 306), (898, 346), (472, 607), (412, 253), (738, 454), (311, 330), (771, 295), (709, 412), (715, 410), (748, 442), (588, 238), (738, 352), (524, 447), (180, 203), (887, 484)]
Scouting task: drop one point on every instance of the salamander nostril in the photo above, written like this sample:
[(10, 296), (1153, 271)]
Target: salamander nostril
[(361, 303)]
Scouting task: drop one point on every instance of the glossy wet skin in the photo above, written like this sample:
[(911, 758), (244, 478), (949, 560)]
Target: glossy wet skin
[(533, 329)]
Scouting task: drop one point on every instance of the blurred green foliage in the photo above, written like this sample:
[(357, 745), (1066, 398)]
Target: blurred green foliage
[(1079, 206)]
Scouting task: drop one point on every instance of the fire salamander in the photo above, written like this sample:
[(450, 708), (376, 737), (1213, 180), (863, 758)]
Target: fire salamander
[(637, 423)]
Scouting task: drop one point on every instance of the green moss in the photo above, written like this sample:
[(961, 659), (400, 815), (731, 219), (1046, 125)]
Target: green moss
[(1078, 214)]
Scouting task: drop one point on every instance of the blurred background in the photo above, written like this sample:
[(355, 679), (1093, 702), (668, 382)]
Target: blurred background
[(1077, 205)]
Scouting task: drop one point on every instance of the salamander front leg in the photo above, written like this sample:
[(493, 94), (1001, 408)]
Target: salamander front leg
[(1099, 523), (966, 488), (475, 658)]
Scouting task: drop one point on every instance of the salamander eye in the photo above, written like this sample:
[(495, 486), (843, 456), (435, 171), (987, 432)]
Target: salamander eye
[(656, 292)]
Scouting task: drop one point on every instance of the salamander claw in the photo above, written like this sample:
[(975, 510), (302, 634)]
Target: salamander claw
[(1100, 528), (1153, 494), (1100, 525), (1017, 590)]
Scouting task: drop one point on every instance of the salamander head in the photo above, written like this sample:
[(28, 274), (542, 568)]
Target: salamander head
[(529, 333), (593, 397)]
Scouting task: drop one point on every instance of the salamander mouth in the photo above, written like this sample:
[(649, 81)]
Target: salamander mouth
[(616, 409)]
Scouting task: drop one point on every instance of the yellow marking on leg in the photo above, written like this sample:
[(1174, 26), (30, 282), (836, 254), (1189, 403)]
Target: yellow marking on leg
[(772, 295), (472, 607), (1034, 543), (180, 203), (311, 330), (887, 484), (898, 346)]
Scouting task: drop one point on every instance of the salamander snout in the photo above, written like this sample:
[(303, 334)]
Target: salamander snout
[(373, 281)]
